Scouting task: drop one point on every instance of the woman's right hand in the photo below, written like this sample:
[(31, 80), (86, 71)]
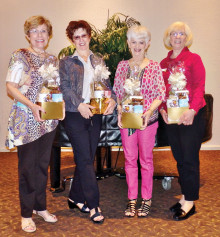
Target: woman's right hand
[(119, 108), (36, 112), (164, 115), (12, 90), (85, 110), (119, 121)]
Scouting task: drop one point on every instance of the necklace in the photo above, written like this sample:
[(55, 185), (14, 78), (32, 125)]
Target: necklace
[(41, 55), (141, 63)]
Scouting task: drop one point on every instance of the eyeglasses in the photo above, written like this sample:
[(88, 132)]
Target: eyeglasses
[(36, 32), (175, 34), (78, 37)]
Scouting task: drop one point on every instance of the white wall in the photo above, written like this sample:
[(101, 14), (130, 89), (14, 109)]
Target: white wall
[(202, 16)]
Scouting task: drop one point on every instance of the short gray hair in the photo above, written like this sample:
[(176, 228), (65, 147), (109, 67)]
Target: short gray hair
[(137, 32)]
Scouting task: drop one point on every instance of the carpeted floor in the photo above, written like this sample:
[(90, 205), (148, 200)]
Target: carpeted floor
[(113, 190)]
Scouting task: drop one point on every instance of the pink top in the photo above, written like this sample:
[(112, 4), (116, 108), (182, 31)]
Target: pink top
[(152, 84), (195, 74)]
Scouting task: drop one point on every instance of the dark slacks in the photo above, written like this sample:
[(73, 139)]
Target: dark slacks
[(84, 136), (33, 161), (185, 142)]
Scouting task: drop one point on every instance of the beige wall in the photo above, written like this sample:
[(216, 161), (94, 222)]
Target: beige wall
[(202, 16)]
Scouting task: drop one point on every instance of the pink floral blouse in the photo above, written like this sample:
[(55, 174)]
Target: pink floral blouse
[(152, 83)]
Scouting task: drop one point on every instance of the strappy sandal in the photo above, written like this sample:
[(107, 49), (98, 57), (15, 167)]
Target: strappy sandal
[(28, 225), (97, 213), (144, 210), (131, 208), (73, 205), (46, 215)]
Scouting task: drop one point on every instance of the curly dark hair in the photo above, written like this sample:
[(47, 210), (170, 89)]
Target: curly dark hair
[(75, 25)]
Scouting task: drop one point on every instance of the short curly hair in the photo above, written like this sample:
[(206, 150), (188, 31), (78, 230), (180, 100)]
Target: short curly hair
[(75, 25), (178, 25), (137, 32), (35, 21)]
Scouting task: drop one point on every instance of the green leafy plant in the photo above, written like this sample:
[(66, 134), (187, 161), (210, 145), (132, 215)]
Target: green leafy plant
[(110, 42)]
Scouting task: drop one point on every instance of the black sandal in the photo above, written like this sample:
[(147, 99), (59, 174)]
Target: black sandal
[(73, 205), (131, 208), (97, 213), (144, 210)]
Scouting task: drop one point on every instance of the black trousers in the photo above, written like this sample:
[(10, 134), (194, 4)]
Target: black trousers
[(84, 136), (185, 142), (33, 161)]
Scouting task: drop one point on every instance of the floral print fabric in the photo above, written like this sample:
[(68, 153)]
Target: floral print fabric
[(152, 83), (22, 127)]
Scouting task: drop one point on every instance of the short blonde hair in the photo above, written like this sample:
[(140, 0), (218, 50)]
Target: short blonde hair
[(178, 25), (137, 32), (35, 21)]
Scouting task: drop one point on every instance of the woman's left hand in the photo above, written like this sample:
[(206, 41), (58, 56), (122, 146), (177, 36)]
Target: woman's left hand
[(146, 117), (111, 106), (64, 111), (187, 117)]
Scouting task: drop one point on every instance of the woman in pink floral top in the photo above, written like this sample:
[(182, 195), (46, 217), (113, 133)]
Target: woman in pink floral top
[(140, 141)]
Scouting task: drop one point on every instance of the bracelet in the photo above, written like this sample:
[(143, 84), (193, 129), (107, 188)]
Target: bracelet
[(150, 110)]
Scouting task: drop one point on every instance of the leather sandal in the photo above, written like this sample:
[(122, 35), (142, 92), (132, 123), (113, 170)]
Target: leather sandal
[(144, 210), (131, 208), (28, 225), (97, 213), (48, 217), (73, 205)]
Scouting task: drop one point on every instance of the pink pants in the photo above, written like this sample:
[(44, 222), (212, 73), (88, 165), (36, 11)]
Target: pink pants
[(144, 142)]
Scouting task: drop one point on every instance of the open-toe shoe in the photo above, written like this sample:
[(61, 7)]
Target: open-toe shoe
[(48, 217), (73, 205), (28, 225), (96, 214), (144, 210), (131, 208)]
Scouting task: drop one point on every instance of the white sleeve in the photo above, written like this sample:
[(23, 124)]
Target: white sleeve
[(15, 72)]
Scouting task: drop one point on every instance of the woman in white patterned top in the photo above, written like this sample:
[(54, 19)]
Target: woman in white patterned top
[(31, 135)]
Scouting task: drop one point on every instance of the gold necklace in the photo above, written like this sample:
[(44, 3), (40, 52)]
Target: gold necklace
[(137, 62), (39, 54)]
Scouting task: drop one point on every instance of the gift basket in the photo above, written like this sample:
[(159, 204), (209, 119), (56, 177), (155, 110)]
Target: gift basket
[(178, 100), (100, 91), (132, 102), (50, 98)]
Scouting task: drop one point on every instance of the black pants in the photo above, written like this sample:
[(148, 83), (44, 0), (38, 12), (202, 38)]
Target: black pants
[(185, 142), (33, 161), (84, 136)]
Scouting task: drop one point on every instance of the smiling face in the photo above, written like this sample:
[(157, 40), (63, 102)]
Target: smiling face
[(138, 47), (178, 39), (38, 38), (81, 40)]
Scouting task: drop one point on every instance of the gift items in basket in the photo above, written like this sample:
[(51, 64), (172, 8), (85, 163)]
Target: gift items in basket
[(132, 102), (100, 92), (178, 100), (50, 98)]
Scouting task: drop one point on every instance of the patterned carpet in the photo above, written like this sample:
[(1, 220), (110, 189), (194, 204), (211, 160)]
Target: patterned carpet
[(113, 190)]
